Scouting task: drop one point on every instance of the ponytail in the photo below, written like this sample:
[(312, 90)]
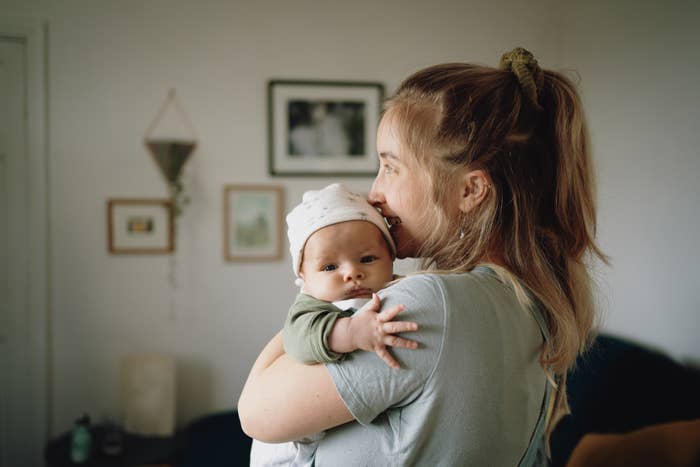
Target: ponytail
[(525, 128)]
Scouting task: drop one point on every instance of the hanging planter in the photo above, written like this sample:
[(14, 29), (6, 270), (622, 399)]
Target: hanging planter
[(171, 151)]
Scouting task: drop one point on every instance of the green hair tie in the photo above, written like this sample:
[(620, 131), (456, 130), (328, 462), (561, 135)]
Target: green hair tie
[(530, 76)]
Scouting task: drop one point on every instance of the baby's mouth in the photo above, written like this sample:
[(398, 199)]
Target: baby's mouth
[(359, 292)]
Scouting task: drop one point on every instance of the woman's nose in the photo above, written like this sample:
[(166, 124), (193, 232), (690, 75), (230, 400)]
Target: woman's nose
[(375, 197)]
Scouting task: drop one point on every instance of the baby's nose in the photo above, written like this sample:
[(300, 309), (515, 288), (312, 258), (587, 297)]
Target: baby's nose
[(353, 273)]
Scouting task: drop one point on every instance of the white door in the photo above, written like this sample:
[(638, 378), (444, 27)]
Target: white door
[(18, 439)]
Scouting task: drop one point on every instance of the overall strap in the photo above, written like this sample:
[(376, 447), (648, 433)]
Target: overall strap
[(535, 453)]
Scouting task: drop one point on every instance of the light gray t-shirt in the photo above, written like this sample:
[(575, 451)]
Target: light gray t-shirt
[(470, 395)]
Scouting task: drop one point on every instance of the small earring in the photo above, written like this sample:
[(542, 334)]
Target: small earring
[(461, 234)]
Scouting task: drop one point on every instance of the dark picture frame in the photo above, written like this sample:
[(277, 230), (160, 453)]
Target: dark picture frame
[(140, 226), (323, 128)]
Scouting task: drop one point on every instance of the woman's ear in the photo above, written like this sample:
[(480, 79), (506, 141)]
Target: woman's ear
[(474, 187)]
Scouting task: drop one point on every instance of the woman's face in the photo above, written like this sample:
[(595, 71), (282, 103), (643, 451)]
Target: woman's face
[(399, 190)]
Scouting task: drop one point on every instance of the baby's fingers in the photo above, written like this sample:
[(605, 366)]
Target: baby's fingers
[(388, 359), (374, 304), (394, 341), (395, 327), (390, 313)]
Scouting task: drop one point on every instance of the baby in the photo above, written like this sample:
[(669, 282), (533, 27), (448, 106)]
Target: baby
[(342, 253)]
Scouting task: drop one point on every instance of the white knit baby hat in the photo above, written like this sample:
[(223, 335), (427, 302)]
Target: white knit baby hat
[(321, 208)]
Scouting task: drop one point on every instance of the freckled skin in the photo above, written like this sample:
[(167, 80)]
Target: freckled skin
[(401, 206)]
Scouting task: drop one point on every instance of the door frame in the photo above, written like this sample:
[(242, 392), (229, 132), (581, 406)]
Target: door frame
[(37, 288)]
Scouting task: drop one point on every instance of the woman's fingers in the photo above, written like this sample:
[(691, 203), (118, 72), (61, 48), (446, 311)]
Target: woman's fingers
[(395, 327), (395, 341)]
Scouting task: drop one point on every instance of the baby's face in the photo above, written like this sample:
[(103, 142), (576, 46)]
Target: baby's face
[(346, 260)]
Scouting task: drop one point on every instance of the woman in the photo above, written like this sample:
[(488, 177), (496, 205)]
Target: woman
[(485, 173)]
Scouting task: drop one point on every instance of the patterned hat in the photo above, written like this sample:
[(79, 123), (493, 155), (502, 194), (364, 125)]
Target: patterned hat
[(331, 205)]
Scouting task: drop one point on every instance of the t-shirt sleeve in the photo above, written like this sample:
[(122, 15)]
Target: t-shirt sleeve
[(367, 385), (306, 330)]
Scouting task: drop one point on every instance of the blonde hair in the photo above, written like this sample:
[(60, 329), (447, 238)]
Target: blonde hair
[(525, 128)]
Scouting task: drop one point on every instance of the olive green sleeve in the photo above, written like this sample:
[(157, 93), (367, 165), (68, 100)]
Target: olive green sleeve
[(306, 330)]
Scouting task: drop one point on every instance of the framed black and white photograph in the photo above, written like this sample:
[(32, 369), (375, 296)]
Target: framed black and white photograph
[(253, 222), (140, 226), (323, 128)]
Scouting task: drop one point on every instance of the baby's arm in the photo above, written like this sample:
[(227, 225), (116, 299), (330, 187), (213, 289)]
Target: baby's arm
[(307, 328), (371, 330)]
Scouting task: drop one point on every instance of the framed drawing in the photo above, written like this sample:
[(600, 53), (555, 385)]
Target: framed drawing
[(140, 226), (253, 222), (323, 128)]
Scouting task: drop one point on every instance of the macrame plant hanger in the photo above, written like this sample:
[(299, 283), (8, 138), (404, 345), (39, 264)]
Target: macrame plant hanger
[(172, 152)]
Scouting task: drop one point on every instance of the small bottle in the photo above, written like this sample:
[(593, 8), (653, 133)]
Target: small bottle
[(112, 443), (80, 440)]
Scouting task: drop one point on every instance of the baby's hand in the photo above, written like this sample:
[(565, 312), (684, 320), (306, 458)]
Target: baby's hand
[(373, 330)]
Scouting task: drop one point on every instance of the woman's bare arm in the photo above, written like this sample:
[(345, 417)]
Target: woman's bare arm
[(284, 400)]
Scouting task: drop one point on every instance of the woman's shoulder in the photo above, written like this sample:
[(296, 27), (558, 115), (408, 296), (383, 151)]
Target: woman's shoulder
[(471, 280), (413, 284), (432, 290), (481, 288)]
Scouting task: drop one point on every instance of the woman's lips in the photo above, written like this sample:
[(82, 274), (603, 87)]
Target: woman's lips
[(392, 221)]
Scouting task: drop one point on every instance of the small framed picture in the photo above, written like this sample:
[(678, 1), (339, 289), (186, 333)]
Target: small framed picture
[(323, 128), (253, 222), (140, 226)]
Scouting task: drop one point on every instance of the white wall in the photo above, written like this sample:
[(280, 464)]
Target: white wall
[(639, 64), (110, 67), (111, 64)]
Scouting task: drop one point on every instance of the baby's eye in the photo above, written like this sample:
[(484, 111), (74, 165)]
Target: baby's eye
[(388, 169), (329, 267), (367, 259)]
